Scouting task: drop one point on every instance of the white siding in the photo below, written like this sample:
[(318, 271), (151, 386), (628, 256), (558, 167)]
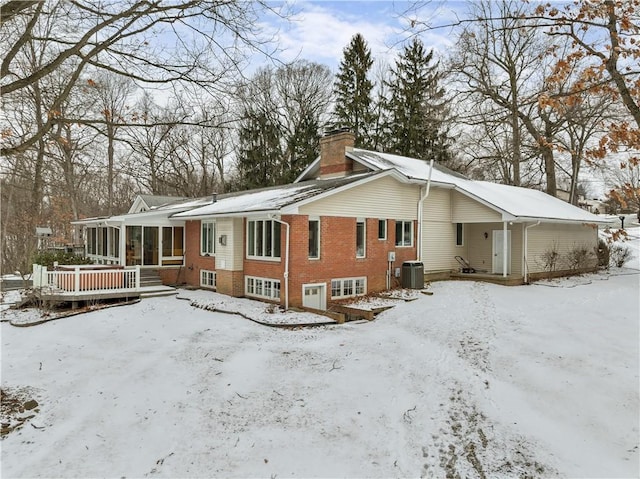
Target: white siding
[(229, 257), (437, 206), (439, 246), (382, 198), (481, 248), (466, 210), (438, 232), (560, 237)]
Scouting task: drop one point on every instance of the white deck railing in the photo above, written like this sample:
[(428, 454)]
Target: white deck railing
[(86, 279)]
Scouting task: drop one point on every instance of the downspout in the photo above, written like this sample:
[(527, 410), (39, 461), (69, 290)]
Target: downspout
[(525, 252), (420, 213), (286, 262)]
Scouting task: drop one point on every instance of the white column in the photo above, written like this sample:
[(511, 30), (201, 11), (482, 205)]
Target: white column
[(504, 249)]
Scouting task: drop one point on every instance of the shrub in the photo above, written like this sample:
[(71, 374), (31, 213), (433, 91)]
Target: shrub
[(619, 255), (603, 253), (579, 258), (550, 259), (47, 258)]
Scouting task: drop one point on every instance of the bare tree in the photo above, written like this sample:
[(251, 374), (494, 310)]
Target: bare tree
[(113, 92), (184, 41), (498, 61)]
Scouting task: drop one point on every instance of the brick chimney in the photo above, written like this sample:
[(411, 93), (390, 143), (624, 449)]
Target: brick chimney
[(333, 148)]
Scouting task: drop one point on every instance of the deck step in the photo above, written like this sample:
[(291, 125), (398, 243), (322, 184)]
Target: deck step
[(156, 291), (149, 277)]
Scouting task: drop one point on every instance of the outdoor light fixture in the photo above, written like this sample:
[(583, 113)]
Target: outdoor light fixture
[(486, 235)]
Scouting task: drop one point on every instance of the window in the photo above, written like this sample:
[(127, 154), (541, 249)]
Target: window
[(103, 241), (404, 233), (262, 287), (348, 287), (459, 234), (91, 241), (382, 229), (207, 278), (208, 238), (314, 239), (114, 242), (263, 239), (172, 237), (360, 239)]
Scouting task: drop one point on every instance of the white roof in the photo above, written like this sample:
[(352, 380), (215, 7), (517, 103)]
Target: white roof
[(515, 203), (267, 200)]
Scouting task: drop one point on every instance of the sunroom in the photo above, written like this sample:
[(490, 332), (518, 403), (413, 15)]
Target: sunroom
[(150, 239)]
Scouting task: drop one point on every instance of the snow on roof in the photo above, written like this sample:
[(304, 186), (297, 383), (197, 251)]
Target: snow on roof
[(154, 201), (517, 202), (267, 199)]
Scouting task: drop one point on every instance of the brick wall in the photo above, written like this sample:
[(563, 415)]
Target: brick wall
[(337, 257), (193, 262), (338, 254)]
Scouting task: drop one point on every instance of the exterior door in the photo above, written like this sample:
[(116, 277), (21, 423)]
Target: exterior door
[(314, 296), (151, 246), (498, 251)]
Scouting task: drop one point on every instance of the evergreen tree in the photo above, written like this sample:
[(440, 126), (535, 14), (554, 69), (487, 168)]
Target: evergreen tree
[(352, 89), (258, 152), (303, 147), (417, 106)]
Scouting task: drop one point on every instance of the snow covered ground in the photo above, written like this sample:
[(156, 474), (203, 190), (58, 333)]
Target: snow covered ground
[(478, 380)]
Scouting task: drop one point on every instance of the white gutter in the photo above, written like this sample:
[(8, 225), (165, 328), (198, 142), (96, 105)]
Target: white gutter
[(525, 251), (420, 213), (286, 262)]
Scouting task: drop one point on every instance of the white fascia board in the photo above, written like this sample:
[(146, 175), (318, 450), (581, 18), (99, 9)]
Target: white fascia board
[(237, 214), (89, 221), (294, 208), (135, 206), (527, 219), (506, 216), (311, 166)]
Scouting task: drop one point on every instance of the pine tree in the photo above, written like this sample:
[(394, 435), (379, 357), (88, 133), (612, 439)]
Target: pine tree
[(303, 147), (352, 88), (417, 106), (258, 152)]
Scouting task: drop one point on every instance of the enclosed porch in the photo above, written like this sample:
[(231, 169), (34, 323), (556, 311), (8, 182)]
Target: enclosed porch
[(148, 246)]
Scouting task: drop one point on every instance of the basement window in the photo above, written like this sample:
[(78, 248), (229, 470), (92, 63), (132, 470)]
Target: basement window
[(264, 288), (207, 279), (348, 287)]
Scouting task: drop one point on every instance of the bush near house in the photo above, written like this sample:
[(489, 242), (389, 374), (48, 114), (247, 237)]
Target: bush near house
[(619, 255), (48, 258)]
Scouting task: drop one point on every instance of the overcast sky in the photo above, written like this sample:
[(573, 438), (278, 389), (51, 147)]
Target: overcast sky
[(320, 30)]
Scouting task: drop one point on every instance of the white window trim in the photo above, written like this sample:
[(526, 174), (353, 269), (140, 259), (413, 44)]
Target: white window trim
[(316, 258), (205, 273), (342, 280), (412, 233), (461, 235), (364, 238), (386, 228), (253, 294), (213, 239), (262, 258)]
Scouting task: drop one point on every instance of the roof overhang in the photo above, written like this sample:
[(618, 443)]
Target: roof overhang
[(530, 219), (233, 214)]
